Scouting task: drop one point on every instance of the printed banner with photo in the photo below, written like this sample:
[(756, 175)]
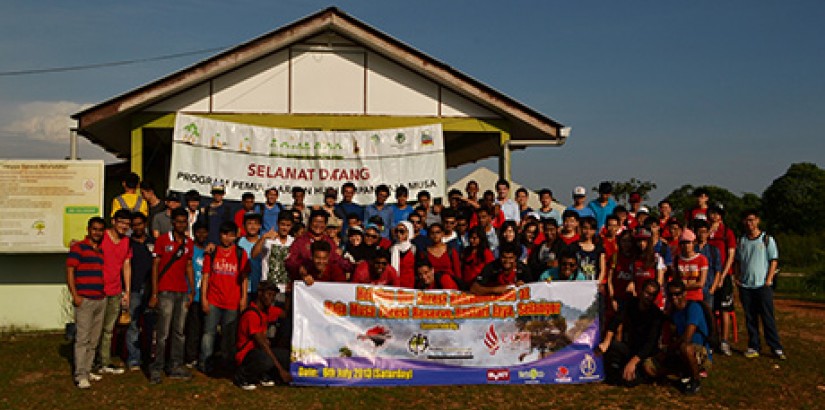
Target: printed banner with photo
[(250, 158), (351, 335)]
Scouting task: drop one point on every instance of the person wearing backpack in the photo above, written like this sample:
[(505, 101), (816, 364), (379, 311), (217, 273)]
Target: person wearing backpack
[(224, 284), (757, 258), (130, 199)]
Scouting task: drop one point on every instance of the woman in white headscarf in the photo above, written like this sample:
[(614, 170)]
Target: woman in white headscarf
[(402, 254)]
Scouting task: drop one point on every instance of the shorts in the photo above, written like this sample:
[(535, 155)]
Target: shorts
[(723, 297), (670, 362)]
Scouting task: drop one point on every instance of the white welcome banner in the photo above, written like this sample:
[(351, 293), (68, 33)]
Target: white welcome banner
[(250, 158)]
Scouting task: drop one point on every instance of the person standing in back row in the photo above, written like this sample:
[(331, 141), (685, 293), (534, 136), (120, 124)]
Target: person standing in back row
[(130, 200), (757, 257)]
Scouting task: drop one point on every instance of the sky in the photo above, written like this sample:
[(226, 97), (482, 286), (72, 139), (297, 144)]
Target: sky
[(704, 92)]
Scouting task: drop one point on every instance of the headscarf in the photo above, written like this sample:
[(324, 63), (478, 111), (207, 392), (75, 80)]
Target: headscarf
[(400, 247)]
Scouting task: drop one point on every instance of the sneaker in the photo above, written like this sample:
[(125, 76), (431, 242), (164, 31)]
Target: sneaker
[(691, 386), (247, 386), (725, 348), (179, 373), (780, 354), (192, 364), (95, 377), (266, 382), (111, 369), (83, 384), (751, 353), (155, 378)]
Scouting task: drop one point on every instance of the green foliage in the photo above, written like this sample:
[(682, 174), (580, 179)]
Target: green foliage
[(683, 200), (801, 253), (623, 189), (795, 202)]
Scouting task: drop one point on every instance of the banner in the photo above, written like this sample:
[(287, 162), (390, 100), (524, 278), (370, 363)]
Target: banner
[(45, 204), (252, 159), (357, 335)]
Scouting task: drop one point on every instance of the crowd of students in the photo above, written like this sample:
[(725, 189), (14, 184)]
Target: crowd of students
[(192, 273)]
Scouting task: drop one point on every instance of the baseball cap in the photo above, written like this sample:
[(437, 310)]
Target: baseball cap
[(642, 233), (579, 191), (218, 187), (643, 210), (687, 236)]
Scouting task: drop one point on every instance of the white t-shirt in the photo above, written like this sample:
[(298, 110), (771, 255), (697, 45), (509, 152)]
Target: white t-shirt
[(273, 248)]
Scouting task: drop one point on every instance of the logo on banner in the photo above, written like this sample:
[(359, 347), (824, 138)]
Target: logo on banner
[(498, 375), (418, 343), (492, 341), (531, 376), (378, 335), (563, 375), (400, 138), (426, 138), (588, 368)]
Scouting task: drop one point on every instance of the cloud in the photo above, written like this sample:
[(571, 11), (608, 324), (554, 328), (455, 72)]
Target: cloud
[(41, 120), (40, 130)]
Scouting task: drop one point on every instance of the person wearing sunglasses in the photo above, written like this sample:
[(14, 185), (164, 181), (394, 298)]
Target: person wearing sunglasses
[(502, 274), (567, 270), (687, 353), (376, 271), (402, 254)]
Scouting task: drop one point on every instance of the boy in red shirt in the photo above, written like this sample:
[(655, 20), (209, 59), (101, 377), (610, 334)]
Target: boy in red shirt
[(320, 267), (223, 293), (377, 271), (171, 274), (692, 266), (257, 363)]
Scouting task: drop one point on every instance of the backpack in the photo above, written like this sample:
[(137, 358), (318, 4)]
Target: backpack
[(136, 208), (239, 252), (766, 240), (712, 339)]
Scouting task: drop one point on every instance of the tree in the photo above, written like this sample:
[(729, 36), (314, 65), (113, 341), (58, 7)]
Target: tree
[(683, 200), (622, 190), (795, 202)]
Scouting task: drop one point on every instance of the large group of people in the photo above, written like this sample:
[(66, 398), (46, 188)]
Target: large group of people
[(207, 285)]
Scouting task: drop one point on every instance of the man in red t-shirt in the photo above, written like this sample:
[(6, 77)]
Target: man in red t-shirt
[(256, 361), (320, 267), (502, 274), (723, 239), (692, 266), (117, 271), (300, 254), (377, 271), (570, 227), (223, 294), (171, 295)]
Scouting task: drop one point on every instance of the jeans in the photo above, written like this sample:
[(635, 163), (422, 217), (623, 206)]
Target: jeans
[(758, 304), (171, 320), (227, 319), (88, 318), (137, 310), (194, 332), (110, 315)]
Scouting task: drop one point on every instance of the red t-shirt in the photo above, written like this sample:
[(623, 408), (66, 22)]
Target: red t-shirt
[(691, 271), (622, 277), (571, 239), (406, 269), (362, 275), (174, 280), (114, 256), (252, 322), (448, 262), (611, 246), (239, 221), (471, 266), (723, 239), (225, 277), (333, 273), (642, 273), (442, 281)]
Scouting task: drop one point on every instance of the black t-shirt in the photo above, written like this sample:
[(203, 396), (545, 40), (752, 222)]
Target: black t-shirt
[(142, 263), (494, 275), (589, 260), (641, 329)]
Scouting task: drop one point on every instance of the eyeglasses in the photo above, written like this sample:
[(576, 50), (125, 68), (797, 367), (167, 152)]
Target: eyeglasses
[(400, 231), (380, 262), (372, 235), (677, 294), (416, 222)]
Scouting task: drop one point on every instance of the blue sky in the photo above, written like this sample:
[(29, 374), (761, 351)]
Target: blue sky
[(724, 93)]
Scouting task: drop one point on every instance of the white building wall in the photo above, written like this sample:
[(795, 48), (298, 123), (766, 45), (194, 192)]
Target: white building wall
[(194, 99), (259, 87), (395, 90), (328, 82)]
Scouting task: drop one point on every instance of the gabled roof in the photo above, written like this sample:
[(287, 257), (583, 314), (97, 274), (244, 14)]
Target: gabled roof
[(537, 125)]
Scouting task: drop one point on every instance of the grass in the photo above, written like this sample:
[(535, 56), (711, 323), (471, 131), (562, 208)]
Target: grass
[(35, 374)]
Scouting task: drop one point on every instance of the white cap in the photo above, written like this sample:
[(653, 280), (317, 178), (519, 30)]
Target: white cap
[(579, 191), (643, 210)]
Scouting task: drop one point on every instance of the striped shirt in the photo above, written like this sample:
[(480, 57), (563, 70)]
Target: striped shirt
[(88, 263)]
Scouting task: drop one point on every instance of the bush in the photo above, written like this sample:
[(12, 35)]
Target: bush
[(801, 253)]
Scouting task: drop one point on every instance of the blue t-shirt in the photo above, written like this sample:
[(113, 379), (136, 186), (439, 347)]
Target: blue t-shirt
[(197, 267), (692, 314), (270, 217), (601, 212), (664, 251), (754, 259), (255, 264), (711, 253), (386, 214), (553, 274), (552, 214), (400, 215), (582, 213)]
